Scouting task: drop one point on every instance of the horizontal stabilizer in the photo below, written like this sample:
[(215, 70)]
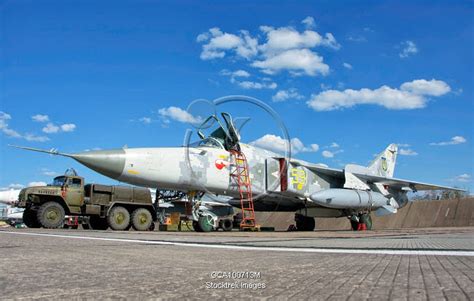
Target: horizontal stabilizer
[(385, 210)]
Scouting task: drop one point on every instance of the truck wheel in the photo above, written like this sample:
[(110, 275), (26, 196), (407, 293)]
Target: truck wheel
[(97, 223), (30, 218), (226, 225), (51, 215), (141, 219), (205, 223), (118, 218)]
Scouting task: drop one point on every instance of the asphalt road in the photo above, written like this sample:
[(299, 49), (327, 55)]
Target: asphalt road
[(419, 264)]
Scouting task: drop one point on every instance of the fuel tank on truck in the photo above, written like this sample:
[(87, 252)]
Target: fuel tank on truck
[(349, 198)]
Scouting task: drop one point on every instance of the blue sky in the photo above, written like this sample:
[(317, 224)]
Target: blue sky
[(350, 77)]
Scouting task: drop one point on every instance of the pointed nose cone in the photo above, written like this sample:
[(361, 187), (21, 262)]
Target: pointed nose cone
[(107, 162)]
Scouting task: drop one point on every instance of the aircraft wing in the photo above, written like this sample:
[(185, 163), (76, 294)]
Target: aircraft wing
[(393, 182), (400, 183), (337, 173)]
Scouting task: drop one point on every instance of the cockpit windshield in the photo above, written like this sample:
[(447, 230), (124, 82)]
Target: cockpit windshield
[(208, 142), (59, 181)]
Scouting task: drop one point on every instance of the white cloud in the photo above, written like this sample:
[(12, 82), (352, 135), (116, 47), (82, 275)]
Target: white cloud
[(297, 61), (241, 73), (407, 152), (218, 42), (12, 186), (40, 118), (284, 95), (334, 145), (410, 95), (426, 87), (35, 138), (331, 154), (256, 85), (285, 38), (309, 22), (278, 144), (180, 115), (233, 74), (409, 48), (463, 178), (454, 140), (347, 66), (247, 84), (37, 184), (50, 128), (327, 154), (4, 127), (284, 48), (68, 127), (145, 120)]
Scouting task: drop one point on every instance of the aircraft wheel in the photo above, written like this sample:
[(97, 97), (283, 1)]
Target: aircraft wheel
[(98, 223), (141, 219), (226, 225), (304, 223), (152, 226), (205, 223), (51, 215), (30, 218), (118, 218), (196, 227)]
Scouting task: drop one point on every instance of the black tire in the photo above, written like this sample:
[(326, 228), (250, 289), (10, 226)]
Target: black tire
[(304, 223), (86, 226), (205, 223), (141, 219), (118, 218), (30, 218), (98, 223), (51, 215), (226, 225), (196, 227), (75, 227), (152, 227)]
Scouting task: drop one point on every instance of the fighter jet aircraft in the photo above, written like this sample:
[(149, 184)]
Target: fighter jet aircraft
[(279, 183)]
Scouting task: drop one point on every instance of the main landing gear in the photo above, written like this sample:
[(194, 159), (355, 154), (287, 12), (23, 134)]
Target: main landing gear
[(361, 222), (304, 223)]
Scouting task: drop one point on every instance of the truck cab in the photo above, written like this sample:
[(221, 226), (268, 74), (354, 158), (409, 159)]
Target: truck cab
[(72, 189)]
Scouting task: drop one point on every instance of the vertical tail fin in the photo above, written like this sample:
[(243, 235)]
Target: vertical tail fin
[(384, 164)]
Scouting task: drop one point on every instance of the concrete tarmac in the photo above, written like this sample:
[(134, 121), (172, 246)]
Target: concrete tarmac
[(421, 264)]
